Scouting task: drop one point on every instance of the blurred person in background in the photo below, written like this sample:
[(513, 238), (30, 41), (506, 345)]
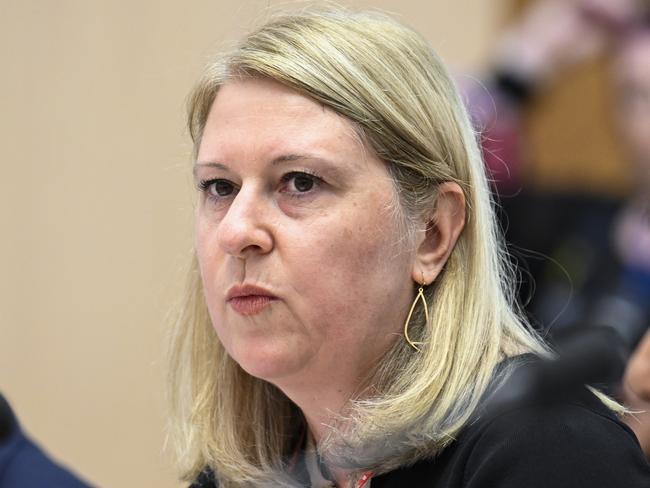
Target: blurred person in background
[(23, 464), (599, 247)]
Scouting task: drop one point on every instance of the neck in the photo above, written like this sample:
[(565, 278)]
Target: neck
[(341, 478), (321, 407), (322, 394)]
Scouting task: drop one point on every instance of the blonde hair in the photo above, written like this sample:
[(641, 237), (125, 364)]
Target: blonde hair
[(386, 80)]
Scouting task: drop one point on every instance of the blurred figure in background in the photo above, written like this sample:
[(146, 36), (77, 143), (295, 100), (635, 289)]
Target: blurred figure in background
[(599, 247), (23, 464)]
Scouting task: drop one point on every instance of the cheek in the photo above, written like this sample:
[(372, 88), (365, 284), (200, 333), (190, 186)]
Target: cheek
[(208, 252), (210, 263), (202, 232), (357, 270)]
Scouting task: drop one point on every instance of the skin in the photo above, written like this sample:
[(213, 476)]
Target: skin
[(636, 391), (328, 246)]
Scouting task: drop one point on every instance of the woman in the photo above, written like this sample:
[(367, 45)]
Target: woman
[(348, 305)]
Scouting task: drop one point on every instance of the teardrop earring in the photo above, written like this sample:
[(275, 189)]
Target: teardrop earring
[(419, 296)]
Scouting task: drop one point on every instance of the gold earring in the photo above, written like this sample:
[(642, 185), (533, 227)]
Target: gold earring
[(420, 296)]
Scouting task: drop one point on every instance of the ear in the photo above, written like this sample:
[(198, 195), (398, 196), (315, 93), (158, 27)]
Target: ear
[(442, 228)]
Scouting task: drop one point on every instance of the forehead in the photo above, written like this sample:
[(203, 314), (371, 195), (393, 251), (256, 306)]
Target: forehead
[(255, 116)]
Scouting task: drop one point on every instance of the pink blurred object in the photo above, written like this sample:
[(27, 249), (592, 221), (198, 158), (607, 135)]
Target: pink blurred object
[(632, 236), (615, 15), (497, 120)]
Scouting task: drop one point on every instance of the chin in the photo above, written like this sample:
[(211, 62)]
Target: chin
[(269, 363)]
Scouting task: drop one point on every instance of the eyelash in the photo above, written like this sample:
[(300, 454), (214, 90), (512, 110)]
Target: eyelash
[(204, 185)]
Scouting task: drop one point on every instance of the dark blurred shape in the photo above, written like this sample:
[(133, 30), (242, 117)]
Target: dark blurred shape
[(23, 464), (594, 355), (6, 420)]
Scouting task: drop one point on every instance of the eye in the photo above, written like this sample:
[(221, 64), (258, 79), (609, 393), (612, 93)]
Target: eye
[(217, 188), (300, 182)]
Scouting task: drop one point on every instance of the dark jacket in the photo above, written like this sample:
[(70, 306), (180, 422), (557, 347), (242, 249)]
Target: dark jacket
[(23, 464), (577, 445)]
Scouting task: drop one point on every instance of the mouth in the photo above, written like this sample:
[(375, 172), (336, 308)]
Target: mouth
[(249, 299)]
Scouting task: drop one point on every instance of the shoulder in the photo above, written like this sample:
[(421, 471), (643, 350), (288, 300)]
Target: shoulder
[(23, 463), (576, 444)]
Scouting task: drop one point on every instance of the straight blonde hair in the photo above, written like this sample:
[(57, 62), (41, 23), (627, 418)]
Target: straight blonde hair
[(387, 81)]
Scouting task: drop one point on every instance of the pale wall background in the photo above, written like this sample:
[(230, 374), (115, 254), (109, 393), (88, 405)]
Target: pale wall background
[(95, 206)]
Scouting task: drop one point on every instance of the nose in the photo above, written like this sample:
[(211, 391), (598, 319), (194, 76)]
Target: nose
[(245, 229)]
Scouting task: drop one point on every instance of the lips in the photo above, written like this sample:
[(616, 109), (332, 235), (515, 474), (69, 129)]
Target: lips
[(249, 299)]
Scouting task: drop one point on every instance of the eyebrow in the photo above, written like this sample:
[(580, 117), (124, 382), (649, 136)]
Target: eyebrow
[(294, 157), (331, 166), (208, 164)]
